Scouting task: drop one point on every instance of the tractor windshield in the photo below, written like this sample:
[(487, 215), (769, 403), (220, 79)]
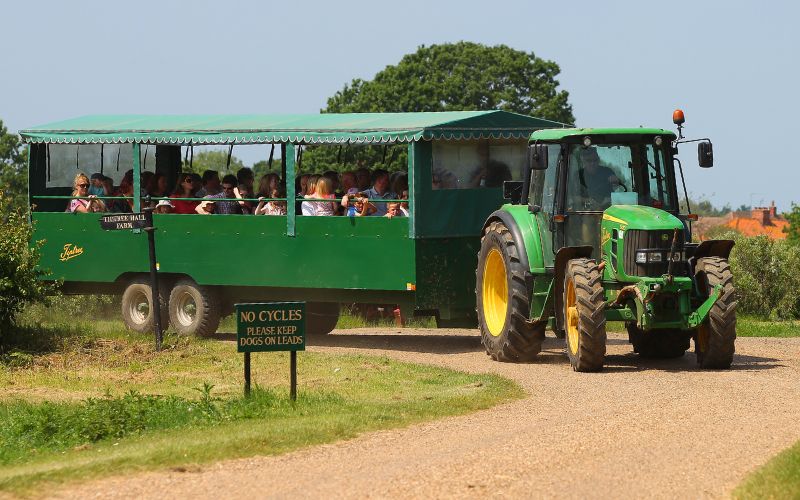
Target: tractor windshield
[(622, 174)]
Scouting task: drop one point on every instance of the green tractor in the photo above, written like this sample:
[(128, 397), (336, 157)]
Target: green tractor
[(595, 234)]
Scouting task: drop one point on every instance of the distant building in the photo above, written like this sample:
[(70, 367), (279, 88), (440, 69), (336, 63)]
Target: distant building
[(758, 221)]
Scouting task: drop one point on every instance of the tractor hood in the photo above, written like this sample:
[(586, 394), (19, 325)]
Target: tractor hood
[(641, 217)]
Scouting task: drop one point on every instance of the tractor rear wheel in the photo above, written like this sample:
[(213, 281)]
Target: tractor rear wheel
[(663, 344), (715, 338), (584, 315), (137, 307), (503, 299), (194, 309)]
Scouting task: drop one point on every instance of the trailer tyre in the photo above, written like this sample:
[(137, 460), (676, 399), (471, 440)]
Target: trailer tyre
[(321, 317), (137, 306), (584, 315), (194, 309), (658, 344), (715, 338), (503, 299)]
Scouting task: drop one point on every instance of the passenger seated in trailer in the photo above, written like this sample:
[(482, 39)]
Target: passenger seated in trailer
[(404, 203), (184, 189), (96, 187), (206, 207), (324, 190), (164, 207), (358, 205), (363, 178), (90, 202), (307, 207), (229, 183), (245, 179), (125, 189), (210, 184), (393, 210), (146, 183), (398, 182), (349, 182), (272, 207), (158, 186), (489, 172), (380, 190), (267, 184)]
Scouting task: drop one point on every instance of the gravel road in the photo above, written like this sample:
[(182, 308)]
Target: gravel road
[(660, 429)]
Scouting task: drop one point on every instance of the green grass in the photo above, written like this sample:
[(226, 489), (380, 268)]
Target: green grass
[(778, 479), (87, 399), (753, 327)]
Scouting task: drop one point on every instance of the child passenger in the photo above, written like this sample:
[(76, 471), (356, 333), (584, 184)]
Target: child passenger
[(324, 190), (271, 207)]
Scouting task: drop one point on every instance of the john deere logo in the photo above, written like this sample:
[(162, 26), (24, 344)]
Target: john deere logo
[(70, 252), (664, 237)]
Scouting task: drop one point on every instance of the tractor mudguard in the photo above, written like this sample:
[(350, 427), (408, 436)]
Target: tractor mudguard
[(564, 255), (524, 228), (710, 248)]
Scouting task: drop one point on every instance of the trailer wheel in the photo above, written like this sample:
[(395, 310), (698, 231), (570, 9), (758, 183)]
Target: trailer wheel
[(137, 307), (321, 317), (194, 309), (715, 338), (503, 299), (584, 315), (663, 344)]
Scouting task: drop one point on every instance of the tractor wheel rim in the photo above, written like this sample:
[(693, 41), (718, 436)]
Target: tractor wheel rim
[(139, 308), (495, 292), (571, 308), (186, 309)]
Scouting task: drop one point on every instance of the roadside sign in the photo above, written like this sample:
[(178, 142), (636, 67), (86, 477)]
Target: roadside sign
[(124, 221), (271, 326)]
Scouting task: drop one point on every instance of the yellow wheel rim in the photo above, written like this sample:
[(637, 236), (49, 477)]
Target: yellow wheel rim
[(495, 292), (571, 308)]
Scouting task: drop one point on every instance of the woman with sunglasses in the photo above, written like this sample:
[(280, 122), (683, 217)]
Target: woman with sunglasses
[(184, 189), (89, 203)]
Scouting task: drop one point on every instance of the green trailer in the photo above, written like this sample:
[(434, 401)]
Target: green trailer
[(424, 263)]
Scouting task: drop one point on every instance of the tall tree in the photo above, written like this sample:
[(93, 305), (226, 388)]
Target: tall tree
[(13, 170), (213, 160), (461, 76), (793, 230)]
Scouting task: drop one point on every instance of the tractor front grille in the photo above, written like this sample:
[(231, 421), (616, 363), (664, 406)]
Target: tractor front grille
[(636, 239)]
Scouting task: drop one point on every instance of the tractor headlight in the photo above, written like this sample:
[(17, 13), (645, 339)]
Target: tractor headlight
[(649, 256)]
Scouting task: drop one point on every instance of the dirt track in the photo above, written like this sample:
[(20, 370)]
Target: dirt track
[(639, 429)]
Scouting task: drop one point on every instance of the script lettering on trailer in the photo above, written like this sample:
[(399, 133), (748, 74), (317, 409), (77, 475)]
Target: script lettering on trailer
[(271, 326), (123, 221)]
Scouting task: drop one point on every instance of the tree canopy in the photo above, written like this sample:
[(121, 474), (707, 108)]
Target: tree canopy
[(13, 170), (213, 160), (461, 76)]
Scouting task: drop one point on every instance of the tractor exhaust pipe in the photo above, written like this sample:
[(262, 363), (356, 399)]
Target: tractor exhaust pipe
[(672, 251)]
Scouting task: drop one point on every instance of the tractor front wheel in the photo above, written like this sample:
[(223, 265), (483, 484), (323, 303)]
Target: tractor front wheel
[(714, 340), (584, 315), (503, 299)]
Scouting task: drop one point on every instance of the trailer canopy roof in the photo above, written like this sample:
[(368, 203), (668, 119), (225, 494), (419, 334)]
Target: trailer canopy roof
[(366, 128)]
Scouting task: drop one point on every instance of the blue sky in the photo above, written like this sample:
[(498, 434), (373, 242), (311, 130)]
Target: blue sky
[(732, 66)]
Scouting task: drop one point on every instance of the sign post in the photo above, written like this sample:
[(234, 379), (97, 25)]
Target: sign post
[(271, 326), (142, 221)]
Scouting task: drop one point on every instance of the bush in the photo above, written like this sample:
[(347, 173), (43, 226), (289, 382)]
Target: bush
[(766, 275), (20, 278)]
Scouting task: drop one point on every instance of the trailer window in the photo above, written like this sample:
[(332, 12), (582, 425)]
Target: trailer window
[(66, 160), (477, 164)]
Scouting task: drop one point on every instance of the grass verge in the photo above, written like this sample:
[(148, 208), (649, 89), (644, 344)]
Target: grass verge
[(754, 327), (778, 479), (85, 400)]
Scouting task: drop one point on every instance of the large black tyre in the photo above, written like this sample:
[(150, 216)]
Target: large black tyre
[(321, 317), (503, 299), (194, 309), (659, 344), (715, 338), (137, 306), (584, 315)]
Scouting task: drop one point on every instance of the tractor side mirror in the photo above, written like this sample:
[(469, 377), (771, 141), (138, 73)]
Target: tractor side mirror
[(705, 155), (537, 157), (512, 190)]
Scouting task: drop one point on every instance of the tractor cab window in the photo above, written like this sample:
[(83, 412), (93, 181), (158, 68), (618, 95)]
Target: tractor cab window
[(624, 174)]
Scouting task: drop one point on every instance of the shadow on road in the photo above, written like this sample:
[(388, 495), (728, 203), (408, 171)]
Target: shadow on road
[(552, 350)]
